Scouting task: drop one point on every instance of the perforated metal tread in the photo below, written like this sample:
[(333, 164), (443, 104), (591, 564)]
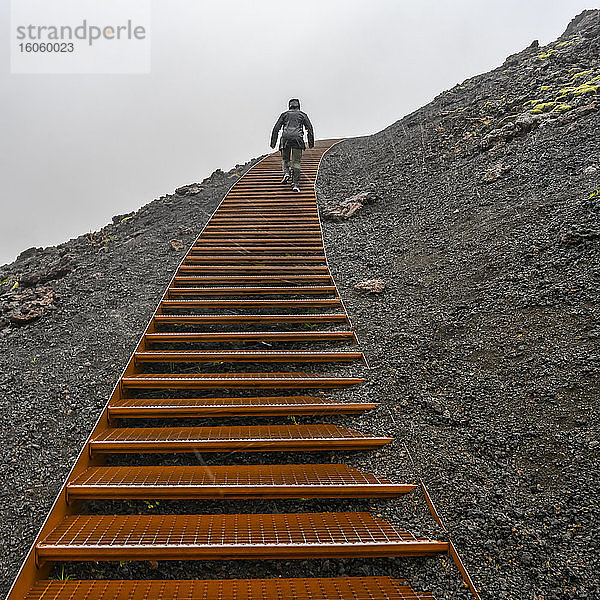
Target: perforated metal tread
[(214, 248), (226, 537), (252, 318), (244, 336), (255, 269), (233, 481), (338, 588), (263, 241), (249, 438), (244, 356), (234, 259), (251, 291), (294, 380), (243, 303), (215, 407)]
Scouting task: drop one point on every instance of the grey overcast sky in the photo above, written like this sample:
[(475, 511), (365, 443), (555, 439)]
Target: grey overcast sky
[(77, 149)]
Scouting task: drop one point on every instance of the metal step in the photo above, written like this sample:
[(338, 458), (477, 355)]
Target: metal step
[(268, 240), (232, 482), (244, 303), (264, 222), (252, 250), (227, 407), (271, 212), (265, 216), (240, 356), (338, 588), (241, 223), (253, 318), (198, 381), (244, 258), (227, 537), (286, 235), (250, 240), (254, 291), (256, 279), (248, 438), (243, 202), (268, 269), (252, 336)]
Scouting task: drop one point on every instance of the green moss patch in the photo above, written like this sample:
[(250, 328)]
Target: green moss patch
[(543, 107), (582, 73), (533, 102), (547, 54), (561, 108)]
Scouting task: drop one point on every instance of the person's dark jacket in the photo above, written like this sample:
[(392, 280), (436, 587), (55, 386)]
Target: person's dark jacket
[(293, 121)]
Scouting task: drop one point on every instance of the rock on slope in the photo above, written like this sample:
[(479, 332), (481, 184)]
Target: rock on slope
[(487, 336), (484, 341)]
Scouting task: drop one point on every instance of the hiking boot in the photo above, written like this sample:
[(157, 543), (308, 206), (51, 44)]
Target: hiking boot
[(295, 179)]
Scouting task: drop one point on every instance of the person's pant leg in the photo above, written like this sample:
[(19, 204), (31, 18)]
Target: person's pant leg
[(285, 160), (296, 158)]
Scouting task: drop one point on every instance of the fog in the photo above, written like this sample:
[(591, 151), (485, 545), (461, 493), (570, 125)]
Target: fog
[(77, 149)]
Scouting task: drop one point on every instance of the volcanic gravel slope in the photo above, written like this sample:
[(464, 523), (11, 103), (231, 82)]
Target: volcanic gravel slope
[(487, 336), (483, 348)]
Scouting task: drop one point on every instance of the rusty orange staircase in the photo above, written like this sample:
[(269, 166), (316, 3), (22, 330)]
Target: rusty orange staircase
[(251, 325)]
